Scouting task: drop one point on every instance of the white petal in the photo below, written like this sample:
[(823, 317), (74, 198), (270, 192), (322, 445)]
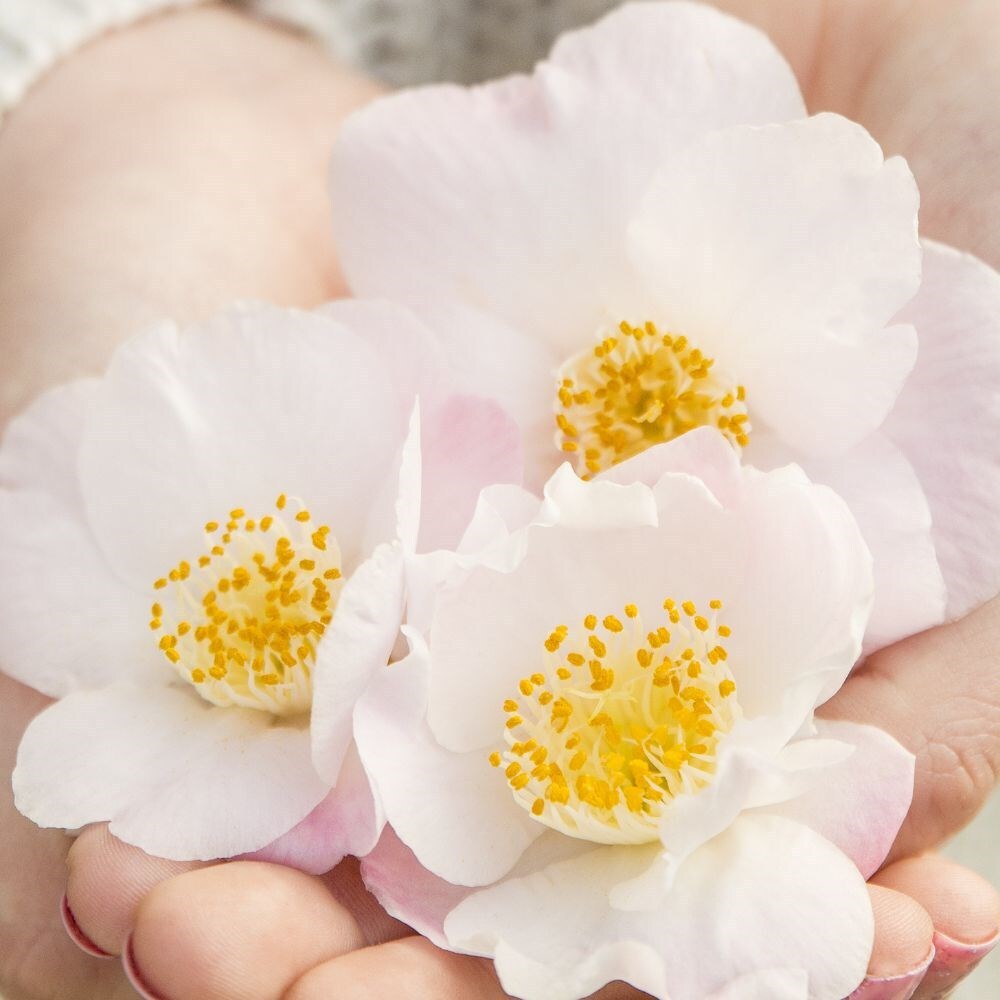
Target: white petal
[(783, 252), (859, 804), (744, 779), (772, 984), (40, 445), (767, 894), (472, 194), (760, 558), (948, 417), (66, 622), (602, 504), (355, 647), (347, 821), (190, 425), (884, 494), (174, 775), (420, 783)]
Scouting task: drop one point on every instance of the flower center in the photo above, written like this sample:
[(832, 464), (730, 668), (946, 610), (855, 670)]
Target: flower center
[(640, 388), (619, 721), (242, 623)]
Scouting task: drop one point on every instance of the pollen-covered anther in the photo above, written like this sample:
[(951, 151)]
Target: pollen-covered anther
[(242, 623), (622, 719), (640, 387)]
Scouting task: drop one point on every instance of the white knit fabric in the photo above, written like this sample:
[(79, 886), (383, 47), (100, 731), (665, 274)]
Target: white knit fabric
[(35, 34), (400, 41)]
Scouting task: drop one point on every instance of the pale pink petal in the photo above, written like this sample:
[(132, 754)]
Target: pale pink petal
[(257, 402), (174, 775), (948, 417), (783, 252), (347, 821), (472, 194), (467, 443), (860, 803), (39, 449), (886, 498), (354, 649), (703, 453), (766, 894), (420, 784), (66, 621), (407, 891)]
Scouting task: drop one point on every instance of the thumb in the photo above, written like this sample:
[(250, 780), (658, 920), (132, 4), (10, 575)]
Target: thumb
[(938, 693)]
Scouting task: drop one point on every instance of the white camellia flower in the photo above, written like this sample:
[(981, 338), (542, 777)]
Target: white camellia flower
[(600, 759), (655, 209), (180, 538)]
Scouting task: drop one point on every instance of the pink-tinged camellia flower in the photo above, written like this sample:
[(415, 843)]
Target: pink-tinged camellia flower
[(655, 209), (600, 759), (179, 539)]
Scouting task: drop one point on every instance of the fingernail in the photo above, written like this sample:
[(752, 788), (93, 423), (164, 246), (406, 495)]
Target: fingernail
[(132, 973), (953, 961), (76, 935), (900, 987)]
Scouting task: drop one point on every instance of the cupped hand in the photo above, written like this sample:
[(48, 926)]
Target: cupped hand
[(179, 165)]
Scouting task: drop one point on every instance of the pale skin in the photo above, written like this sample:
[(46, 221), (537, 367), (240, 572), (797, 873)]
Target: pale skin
[(180, 164)]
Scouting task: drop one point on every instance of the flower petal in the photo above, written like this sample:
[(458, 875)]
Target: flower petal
[(66, 622), (861, 802), (467, 443), (884, 494), (347, 821), (407, 891), (948, 415), (419, 215), (783, 252), (768, 893), (39, 450), (176, 776), (192, 424), (760, 558), (356, 646), (419, 783)]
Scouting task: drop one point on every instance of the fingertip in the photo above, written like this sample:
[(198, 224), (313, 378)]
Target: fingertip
[(105, 882), (410, 967), (962, 904), (240, 931), (904, 934)]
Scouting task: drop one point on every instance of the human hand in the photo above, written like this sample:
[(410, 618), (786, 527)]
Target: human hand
[(114, 282)]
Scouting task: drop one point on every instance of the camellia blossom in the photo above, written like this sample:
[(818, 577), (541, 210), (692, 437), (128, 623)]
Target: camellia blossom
[(181, 539), (600, 759), (655, 209)]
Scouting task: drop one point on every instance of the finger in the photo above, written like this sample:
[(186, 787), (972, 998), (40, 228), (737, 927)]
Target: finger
[(902, 949), (36, 957), (938, 693), (411, 967), (107, 880), (239, 931), (964, 908)]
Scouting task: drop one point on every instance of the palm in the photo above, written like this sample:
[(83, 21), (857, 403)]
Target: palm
[(912, 71)]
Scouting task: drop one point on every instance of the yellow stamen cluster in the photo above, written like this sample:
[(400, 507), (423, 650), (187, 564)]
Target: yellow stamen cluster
[(638, 388), (619, 720), (242, 623)]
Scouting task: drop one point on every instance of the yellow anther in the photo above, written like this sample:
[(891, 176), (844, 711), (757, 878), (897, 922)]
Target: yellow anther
[(632, 736)]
